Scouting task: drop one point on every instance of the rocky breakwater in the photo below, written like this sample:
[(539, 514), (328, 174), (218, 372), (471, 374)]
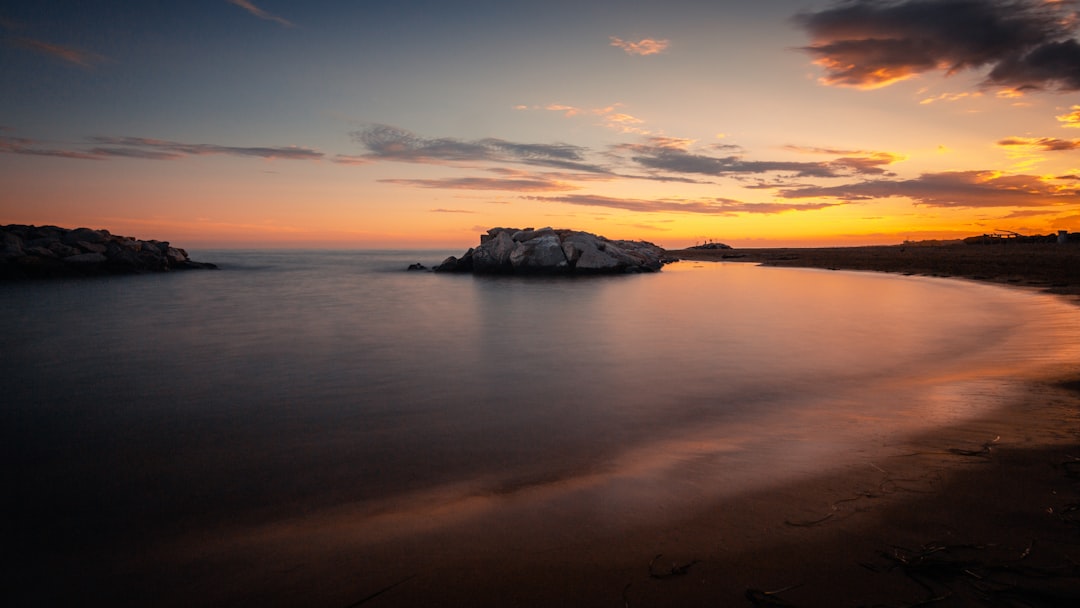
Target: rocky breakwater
[(549, 251), (28, 252)]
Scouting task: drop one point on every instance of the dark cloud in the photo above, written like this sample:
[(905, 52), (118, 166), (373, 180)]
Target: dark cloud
[(718, 206), (385, 142), (1045, 144), (1052, 65), (869, 43), (973, 189)]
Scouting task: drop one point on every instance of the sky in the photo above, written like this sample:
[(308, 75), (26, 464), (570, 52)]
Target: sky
[(360, 124)]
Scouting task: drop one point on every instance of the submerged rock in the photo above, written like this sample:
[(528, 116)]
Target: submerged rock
[(48, 251), (551, 251)]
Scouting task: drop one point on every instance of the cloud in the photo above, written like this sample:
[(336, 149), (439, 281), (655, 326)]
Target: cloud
[(79, 57), (450, 211), (346, 159), (1040, 144), (718, 206), (385, 142), (486, 183), (1070, 119), (156, 149), (968, 189), (949, 97), (152, 149), (1027, 44), (610, 116), (261, 14), (645, 46), (864, 162), (664, 156), (27, 147)]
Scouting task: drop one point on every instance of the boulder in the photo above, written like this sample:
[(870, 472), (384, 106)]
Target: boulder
[(86, 259), (539, 252), (551, 251), (49, 251)]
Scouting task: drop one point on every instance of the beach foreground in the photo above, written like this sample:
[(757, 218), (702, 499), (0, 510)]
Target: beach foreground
[(984, 512)]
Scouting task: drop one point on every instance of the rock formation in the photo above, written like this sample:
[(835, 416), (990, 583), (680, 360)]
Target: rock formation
[(549, 251), (49, 251)]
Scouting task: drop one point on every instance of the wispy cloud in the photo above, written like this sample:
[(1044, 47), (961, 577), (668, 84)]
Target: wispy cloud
[(348, 159), (1040, 144), (260, 13), (27, 147), (105, 147), (385, 142), (967, 189), (950, 97), (1027, 44), (645, 46), (716, 206), (450, 211), (486, 183), (1070, 119), (663, 156), (157, 149), (610, 116), (67, 54)]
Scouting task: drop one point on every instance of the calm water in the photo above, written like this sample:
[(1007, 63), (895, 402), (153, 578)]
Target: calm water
[(143, 412)]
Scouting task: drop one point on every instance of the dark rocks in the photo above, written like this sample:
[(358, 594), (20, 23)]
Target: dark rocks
[(28, 252), (549, 251), (417, 266)]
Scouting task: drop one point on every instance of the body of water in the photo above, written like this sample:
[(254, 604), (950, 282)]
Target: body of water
[(148, 413)]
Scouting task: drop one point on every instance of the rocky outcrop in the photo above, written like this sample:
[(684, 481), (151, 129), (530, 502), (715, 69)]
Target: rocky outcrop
[(550, 251), (48, 251)]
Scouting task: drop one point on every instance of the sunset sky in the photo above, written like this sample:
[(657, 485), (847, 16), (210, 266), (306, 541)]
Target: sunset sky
[(421, 124)]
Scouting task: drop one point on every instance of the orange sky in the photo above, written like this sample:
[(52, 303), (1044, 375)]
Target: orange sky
[(270, 124)]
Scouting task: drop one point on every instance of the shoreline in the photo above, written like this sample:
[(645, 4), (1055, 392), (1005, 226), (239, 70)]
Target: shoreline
[(1049, 267)]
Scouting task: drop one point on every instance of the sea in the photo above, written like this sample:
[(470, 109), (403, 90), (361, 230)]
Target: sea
[(314, 395)]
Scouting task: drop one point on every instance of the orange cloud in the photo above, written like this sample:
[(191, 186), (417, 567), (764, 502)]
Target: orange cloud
[(1071, 119), (645, 46)]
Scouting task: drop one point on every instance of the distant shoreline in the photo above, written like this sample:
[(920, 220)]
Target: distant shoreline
[(1049, 267)]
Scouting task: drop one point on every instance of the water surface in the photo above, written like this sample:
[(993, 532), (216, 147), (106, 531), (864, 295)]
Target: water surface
[(336, 389)]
